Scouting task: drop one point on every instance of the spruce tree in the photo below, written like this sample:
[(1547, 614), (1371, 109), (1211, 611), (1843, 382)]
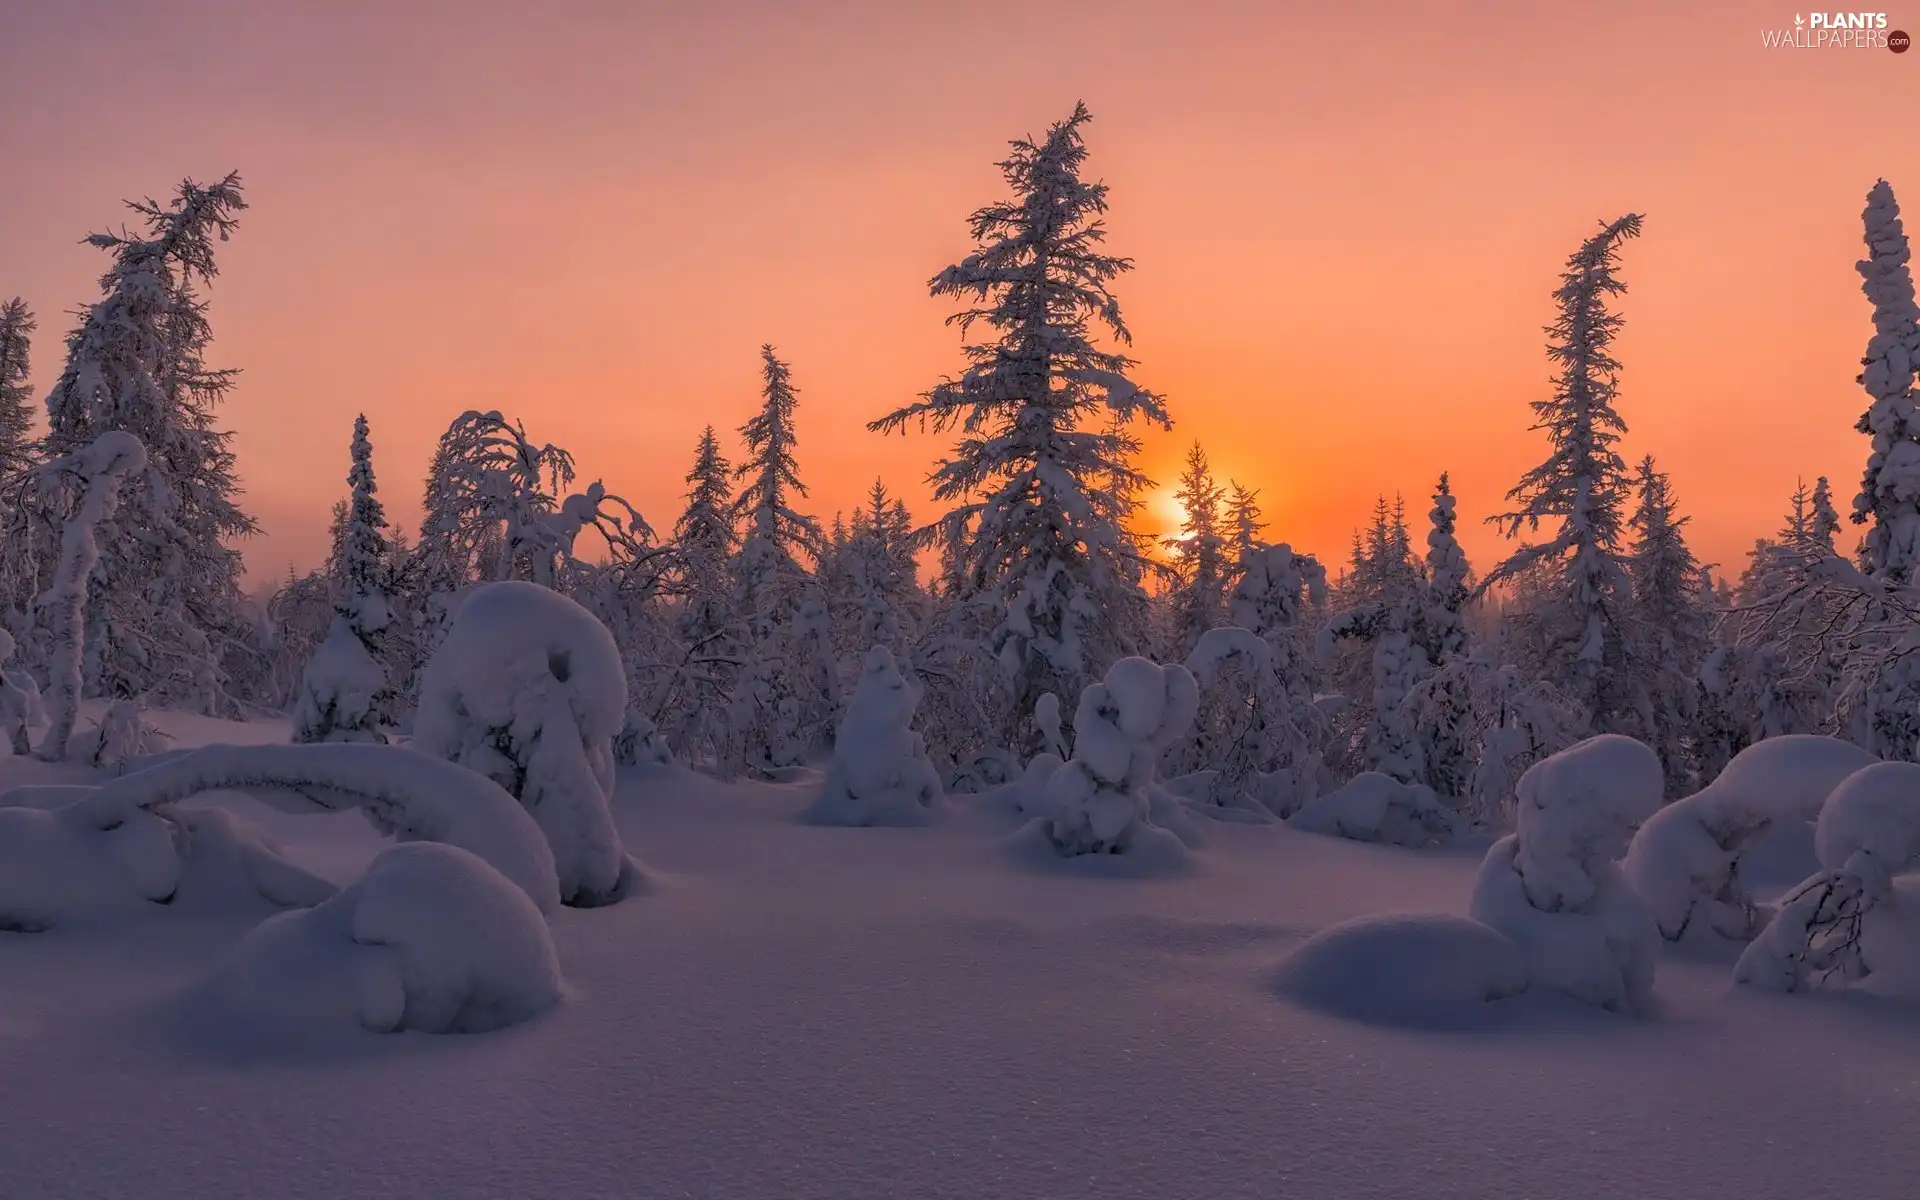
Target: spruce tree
[(775, 534), (1672, 627), (16, 413), (171, 605), (343, 686), (1243, 518), (1042, 471), (1199, 553), (1582, 486)]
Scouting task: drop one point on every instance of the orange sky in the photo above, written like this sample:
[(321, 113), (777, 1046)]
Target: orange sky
[(1347, 220)]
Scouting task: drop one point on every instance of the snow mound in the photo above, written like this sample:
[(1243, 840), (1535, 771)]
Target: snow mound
[(1851, 921), (431, 939), (70, 866), (1553, 885), (1688, 861), (1100, 800), (1411, 969), (528, 690), (880, 774), (1375, 807)]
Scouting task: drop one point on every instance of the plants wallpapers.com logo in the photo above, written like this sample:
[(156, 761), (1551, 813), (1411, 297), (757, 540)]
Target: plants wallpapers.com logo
[(1838, 31)]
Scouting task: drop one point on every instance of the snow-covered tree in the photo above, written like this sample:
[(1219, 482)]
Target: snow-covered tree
[(16, 412), (1098, 801), (1199, 553), (97, 473), (342, 686), (171, 609), (1889, 499), (880, 572), (529, 691), (1440, 703), (704, 540), (1671, 629), (1244, 521), (1824, 523), (1042, 471), (880, 774), (1555, 885), (1582, 485), (764, 505)]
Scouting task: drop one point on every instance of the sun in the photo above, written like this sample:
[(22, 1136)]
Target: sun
[(1167, 511)]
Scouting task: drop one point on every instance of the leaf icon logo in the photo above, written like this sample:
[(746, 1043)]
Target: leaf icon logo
[(1799, 20)]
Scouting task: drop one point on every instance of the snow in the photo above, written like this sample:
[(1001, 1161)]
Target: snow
[(1412, 969), (410, 795), (528, 690), (1373, 807), (880, 773), (1100, 800), (1554, 885), (431, 939), (1689, 862), (763, 1027)]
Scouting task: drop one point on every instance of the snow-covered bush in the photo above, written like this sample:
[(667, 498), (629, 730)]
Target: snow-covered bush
[(528, 690), (121, 736), (1850, 920), (1099, 799), (1375, 807), (100, 468), (1554, 885), (1685, 861), (880, 774), (1414, 969), (21, 712), (431, 939), (1259, 735), (338, 689), (81, 855)]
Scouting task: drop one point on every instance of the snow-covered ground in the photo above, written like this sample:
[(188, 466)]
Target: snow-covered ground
[(795, 1011)]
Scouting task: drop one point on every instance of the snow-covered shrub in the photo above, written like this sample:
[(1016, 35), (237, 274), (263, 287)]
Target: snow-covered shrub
[(1375, 807), (121, 736), (338, 689), (431, 939), (880, 774), (1685, 861), (1256, 733), (1850, 920), (100, 468), (405, 794), (1554, 885), (1415, 969), (1099, 799), (21, 712), (528, 690)]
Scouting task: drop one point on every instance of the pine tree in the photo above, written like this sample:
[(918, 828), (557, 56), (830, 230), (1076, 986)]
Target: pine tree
[(344, 685), (1199, 553), (1889, 499), (1672, 630), (1042, 471), (1582, 485), (172, 606), (16, 413)]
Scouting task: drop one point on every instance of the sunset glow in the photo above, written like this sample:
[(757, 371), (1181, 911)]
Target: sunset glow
[(1346, 225)]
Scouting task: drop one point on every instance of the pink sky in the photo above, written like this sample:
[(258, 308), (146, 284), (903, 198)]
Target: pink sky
[(1347, 220)]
